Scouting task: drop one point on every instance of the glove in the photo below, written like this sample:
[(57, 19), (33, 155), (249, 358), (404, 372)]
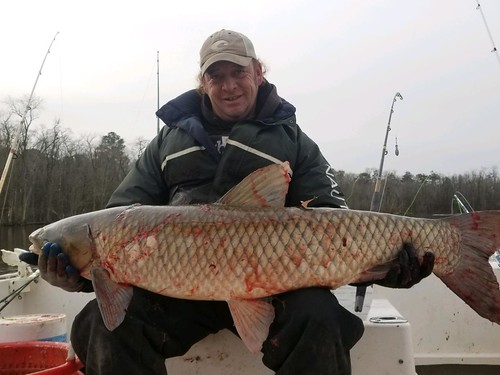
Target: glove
[(54, 268), (408, 271)]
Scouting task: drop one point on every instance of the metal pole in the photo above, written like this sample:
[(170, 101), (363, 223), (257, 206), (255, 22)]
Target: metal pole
[(376, 198)]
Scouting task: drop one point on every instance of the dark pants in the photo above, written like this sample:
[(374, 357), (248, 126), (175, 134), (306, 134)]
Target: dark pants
[(311, 334)]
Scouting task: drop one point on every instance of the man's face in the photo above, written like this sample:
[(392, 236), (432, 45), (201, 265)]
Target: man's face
[(232, 89)]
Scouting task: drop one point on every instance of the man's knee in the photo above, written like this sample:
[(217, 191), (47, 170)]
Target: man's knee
[(318, 309), (83, 324), (311, 324)]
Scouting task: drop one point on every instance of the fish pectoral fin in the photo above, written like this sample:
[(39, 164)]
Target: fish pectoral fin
[(112, 298), (265, 187), (252, 319), (376, 273)]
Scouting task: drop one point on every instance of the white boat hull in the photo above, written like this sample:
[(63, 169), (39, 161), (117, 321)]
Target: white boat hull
[(444, 329)]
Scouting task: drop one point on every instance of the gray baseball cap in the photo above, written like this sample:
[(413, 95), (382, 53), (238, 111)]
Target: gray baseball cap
[(226, 45)]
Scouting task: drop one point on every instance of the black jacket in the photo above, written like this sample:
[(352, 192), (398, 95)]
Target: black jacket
[(183, 166)]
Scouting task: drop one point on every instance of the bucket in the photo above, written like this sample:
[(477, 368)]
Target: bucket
[(37, 357), (33, 327)]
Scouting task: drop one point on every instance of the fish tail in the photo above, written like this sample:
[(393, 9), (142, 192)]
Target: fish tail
[(473, 279)]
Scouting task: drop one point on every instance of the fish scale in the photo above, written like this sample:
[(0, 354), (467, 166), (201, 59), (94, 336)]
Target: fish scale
[(243, 253)]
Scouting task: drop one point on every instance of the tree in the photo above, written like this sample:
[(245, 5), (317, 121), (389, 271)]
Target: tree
[(25, 112), (111, 166), (138, 147)]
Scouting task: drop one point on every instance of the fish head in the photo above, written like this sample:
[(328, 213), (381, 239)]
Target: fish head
[(37, 242), (72, 235)]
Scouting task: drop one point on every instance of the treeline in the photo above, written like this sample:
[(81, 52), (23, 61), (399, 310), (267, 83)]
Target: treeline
[(59, 177), (424, 195), (55, 175)]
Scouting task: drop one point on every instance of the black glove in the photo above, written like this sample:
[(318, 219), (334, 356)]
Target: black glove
[(29, 257), (55, 269), (408, 271)]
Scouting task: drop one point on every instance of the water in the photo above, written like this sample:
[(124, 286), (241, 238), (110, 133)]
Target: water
[(14, 236)]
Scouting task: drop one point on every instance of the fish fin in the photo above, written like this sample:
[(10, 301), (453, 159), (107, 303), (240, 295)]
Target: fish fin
[(252, 319), (305, 204), (473, 279), (113, 298), (265, 187), (376, 273)]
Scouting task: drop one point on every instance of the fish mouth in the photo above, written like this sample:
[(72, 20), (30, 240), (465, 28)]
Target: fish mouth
[(36, 241)]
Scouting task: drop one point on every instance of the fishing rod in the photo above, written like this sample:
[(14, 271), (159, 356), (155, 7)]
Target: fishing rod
[(17, 137), (377, 197), (494, 50)]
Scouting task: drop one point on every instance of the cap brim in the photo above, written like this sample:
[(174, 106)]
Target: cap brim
[(237, 59)]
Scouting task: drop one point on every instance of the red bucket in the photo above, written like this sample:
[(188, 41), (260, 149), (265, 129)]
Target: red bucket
[(37, 357)]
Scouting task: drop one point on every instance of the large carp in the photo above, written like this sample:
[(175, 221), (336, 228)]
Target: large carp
[(248, 246)]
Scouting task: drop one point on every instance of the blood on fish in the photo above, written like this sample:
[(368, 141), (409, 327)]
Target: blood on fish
[(406, 234), (303, 248), (475, 221), (109, 266), (262, 200), (214, 269), (139, 236), (252, 283), (440, 260), (248, 284), (195, 230), (223, 242), (296, 259)]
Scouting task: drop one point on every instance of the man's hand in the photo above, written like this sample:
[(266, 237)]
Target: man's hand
[(408, 271), (55, 269)]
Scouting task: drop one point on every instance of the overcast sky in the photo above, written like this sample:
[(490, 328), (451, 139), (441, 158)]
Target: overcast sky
[(339, 62)]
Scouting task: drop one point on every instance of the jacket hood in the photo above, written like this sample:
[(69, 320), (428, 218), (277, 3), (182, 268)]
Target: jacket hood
[(182, 107)]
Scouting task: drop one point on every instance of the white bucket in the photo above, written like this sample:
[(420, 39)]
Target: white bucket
[(33, 327)]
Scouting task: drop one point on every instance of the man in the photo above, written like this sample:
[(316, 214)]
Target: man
[(215, 136)]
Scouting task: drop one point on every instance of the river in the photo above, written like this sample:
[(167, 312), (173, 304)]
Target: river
[(14, 236)]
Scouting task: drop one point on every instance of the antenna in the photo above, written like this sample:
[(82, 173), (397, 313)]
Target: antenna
[(17, 137)]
